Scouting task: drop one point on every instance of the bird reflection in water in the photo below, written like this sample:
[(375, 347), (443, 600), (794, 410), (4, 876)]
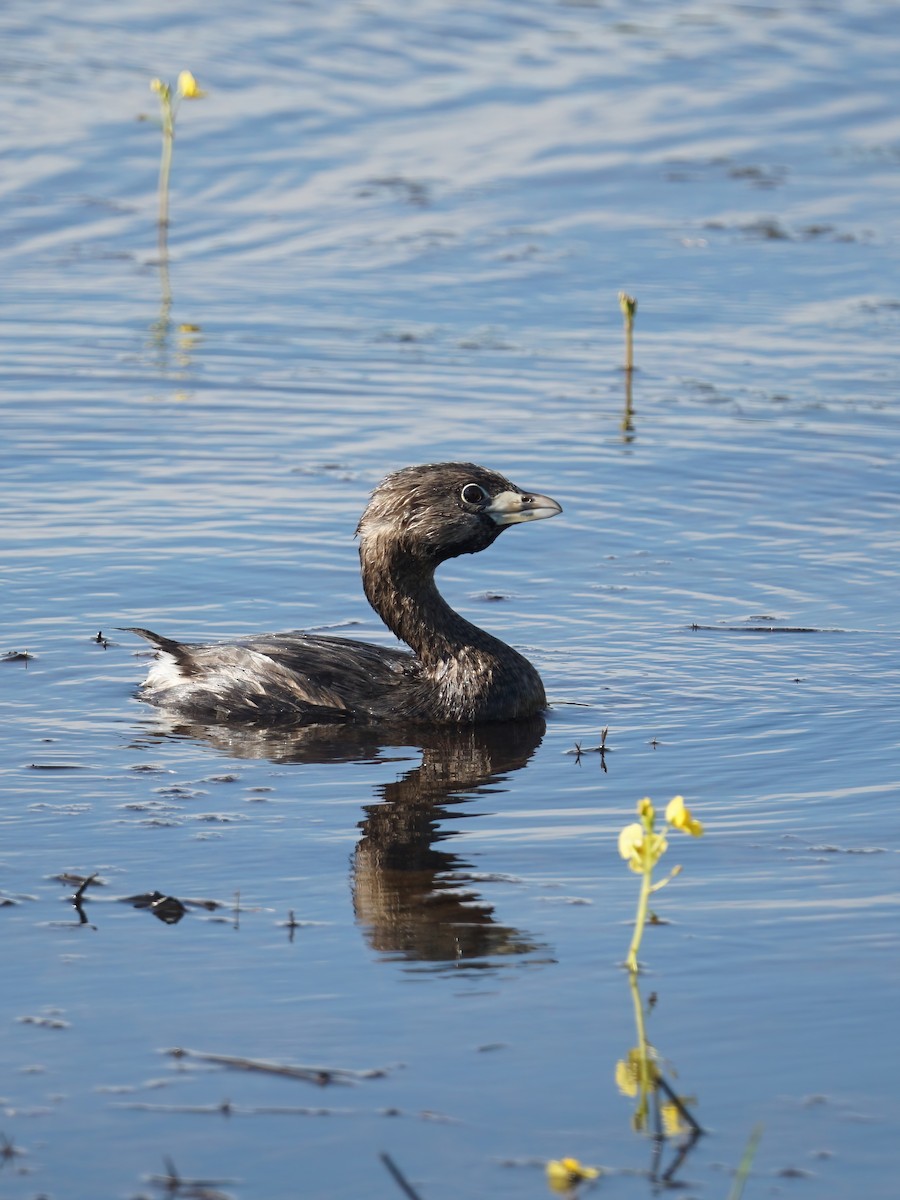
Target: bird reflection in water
[(414, 900)]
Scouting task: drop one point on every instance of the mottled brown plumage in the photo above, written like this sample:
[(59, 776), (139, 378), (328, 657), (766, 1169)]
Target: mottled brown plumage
[(416, 519)]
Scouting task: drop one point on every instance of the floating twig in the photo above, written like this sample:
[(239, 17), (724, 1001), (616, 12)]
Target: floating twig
[(310, 1074), (176, 1184)]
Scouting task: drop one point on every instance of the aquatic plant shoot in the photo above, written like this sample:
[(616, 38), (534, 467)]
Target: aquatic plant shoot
[(628, 305), (169, 102), (642, 848)]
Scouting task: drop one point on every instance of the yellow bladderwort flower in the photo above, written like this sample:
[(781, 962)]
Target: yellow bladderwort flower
[(563, 1174), (631, 842), (679, 816), (642, 848), (188, 87)]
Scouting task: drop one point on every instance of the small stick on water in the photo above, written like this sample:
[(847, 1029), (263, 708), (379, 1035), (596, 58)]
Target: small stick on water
[(628, 305), (399, 1178)]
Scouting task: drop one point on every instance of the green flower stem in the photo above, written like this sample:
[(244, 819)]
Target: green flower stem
[(628, 305), (165, 164), (640, 919), (737, 1188), (169, 102)]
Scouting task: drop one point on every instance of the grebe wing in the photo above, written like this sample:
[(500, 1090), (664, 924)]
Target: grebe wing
[(283, 676)]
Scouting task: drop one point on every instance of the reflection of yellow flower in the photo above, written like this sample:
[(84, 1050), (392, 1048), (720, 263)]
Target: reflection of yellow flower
[(679, 815), (187, 86), (673, 1123), (627, 1074), (564, 1173), (636, 1071)]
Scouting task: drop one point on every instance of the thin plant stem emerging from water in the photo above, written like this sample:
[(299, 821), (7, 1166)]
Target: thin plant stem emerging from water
[(628, 305), (740, 1178), (169, 103), (642, 848)]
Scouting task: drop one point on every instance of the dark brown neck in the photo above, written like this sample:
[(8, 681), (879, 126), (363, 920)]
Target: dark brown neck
[(470, 675), (403, 592)]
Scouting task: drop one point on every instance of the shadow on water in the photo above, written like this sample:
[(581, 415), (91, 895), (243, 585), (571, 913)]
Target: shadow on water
[(414, 900)]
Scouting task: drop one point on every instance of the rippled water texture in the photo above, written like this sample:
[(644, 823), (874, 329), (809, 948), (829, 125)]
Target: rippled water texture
[(398, 234)]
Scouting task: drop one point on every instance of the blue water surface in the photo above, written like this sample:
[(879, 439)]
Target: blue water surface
[(398, 236)]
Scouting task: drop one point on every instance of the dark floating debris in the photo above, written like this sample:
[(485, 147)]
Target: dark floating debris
[(9, 1150), (44, 1022), (80, 881), (310, 1074), (407, 191), (225, 1108), (55, 767), (78, 899), (24, 656), (174, 1184), (579, 751), (292, 925), (760, 629), (168, 909)]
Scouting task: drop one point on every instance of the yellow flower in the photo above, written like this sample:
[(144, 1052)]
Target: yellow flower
[(157, 85), (187, 86), (645, 808), (564, 1173), (679, 815), (631, 841), (639, 849)]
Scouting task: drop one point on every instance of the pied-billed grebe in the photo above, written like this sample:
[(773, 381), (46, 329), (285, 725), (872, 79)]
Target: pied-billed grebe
[(416, 519)]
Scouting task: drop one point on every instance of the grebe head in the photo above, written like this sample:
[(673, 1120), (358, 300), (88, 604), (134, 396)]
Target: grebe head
[(442, 510)]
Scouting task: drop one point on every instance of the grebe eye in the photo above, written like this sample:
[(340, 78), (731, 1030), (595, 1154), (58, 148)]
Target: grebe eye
[(472, 494)]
